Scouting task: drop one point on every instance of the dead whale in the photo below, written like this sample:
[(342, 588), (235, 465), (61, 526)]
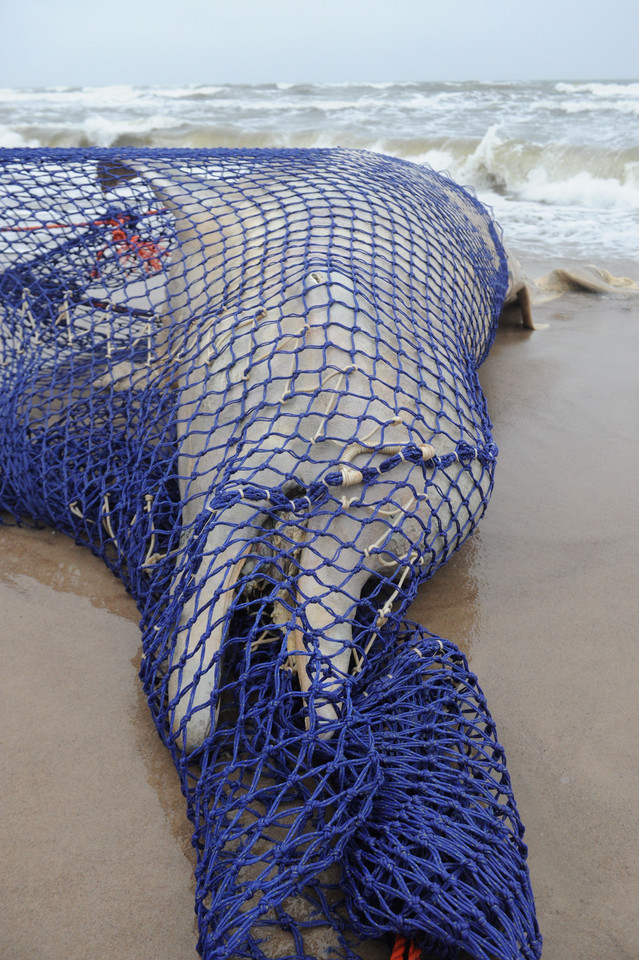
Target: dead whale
[(319, 341)]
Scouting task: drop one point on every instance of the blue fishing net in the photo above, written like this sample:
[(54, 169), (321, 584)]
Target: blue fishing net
[(247, 381)]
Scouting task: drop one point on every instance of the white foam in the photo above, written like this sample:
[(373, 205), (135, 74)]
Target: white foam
[(104, 132), (389, 84), (12, 139), (120, 94), (531, 228), (589, 106), (583, 190), (180, 93), (607, 90), (561, 174)]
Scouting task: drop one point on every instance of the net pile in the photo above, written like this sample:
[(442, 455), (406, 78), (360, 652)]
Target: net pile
[(247, 381)]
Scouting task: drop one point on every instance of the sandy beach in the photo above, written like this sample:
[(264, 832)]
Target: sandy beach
[(94, 839)]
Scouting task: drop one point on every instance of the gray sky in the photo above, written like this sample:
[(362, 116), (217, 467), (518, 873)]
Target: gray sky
[(83, 42)]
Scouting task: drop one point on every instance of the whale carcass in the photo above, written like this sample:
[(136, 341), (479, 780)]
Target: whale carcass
[(323, 328)]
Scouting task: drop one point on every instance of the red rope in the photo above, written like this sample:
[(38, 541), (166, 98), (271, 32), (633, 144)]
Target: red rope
[(405, 949), (414, 953), (71, 226), (132, 248), (399, 948)]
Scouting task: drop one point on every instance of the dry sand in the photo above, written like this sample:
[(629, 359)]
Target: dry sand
[(94, 841)]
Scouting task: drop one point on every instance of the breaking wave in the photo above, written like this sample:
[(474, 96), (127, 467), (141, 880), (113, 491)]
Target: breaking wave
[(549, 174)]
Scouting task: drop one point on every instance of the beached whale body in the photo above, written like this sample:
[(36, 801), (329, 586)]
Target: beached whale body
[(319, 330)]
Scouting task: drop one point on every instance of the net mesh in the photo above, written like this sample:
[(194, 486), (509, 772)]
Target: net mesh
[(247, 381)]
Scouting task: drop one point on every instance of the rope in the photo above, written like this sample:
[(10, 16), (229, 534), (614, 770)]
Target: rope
[(75, 226), (405, 949)]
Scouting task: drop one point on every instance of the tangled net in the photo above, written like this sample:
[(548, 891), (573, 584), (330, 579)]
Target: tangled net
[(247, 381)]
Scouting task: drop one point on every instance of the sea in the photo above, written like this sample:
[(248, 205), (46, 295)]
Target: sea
[(557, 161)]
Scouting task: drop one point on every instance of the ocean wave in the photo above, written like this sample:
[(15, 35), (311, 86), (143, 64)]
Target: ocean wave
[(556, 173), (561, 174), (121, 95), (589, 106), (193, 92), (403, 110), (601, 89), (10, 138)]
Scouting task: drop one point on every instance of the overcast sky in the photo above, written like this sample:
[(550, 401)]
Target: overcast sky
[(83, 42)]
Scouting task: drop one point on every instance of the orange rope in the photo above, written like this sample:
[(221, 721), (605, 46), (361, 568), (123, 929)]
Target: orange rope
[(71, 226), (127, 247), (414, 953), (400, 948), (132, 248)]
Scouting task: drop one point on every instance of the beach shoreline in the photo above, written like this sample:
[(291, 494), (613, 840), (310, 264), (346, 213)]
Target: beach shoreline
[(95, 839)]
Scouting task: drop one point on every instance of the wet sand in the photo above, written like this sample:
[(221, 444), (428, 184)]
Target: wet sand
[(94, 841)]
